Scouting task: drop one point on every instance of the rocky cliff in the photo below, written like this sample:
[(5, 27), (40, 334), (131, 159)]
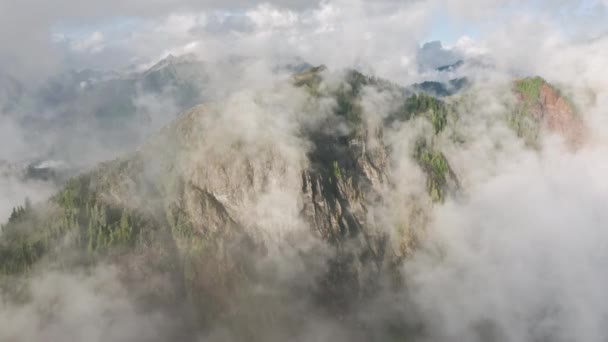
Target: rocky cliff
[(545, 106), (243, 216)]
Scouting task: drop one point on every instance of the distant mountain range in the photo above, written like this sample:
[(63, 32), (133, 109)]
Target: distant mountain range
[(78, 114), (85, 116)]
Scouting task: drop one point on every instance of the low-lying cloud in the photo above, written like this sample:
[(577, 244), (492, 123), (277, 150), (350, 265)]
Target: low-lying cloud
[(522, 257), (518, 255)]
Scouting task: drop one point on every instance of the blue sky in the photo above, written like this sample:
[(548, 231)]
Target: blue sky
[(576, 17), (443, 27), (448, 30)]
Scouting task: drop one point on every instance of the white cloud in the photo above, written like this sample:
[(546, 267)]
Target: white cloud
[(469, 47), (528, 222), (180, 24), (523, 257), (92, 44), (267, 17)]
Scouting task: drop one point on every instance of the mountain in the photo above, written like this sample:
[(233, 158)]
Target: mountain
[(53, 171), (183, 71), (185, 76), (253, 220), (98, 114), (441, 89), (543, 105), (451, 67), (433, 55)]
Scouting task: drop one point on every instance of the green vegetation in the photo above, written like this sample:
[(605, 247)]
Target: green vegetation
[(20, 213), (526, 119), (437, 169), (337, 172), (347, 94), (348, 107), (181, 227), (311, 79), (348, 97), (74, 216), (522, 120), (525, 125), (432, 108), (99, 225), (18, 248), (530, 88)]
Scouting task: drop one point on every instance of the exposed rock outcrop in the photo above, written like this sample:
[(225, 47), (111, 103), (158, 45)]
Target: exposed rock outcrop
[(213, 214), (551, 109)]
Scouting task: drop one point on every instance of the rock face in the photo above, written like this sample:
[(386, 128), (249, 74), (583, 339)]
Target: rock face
[(187, 221), (243, 224), (550, 109), (229, 198), (206, 212), (559, 115)]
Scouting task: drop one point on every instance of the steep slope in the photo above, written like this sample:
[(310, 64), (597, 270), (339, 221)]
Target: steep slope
[(543, 106), (440, 89), (99, 114), (274, 191)]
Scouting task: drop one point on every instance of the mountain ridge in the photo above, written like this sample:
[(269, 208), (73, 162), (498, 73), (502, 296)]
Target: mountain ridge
[(199, 211)]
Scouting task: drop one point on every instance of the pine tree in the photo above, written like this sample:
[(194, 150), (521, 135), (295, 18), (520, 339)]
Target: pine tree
[(100, 238), (125, 228), (13, 216), (103, 217), (91, 234)]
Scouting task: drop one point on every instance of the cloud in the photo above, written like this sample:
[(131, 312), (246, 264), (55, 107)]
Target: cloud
[(79, 306), (25, 33), (273, 32), (91, 44), (14, 191), (433, 55), (520, 256), (303, 27)]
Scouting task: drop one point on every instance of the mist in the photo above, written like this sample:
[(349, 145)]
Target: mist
[(202, 97)]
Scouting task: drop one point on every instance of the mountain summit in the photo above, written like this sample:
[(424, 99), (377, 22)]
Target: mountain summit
[(271, 204)]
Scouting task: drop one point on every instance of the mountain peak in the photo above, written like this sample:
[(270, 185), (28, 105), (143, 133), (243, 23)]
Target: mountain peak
[(173, 60), (547, 106)]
